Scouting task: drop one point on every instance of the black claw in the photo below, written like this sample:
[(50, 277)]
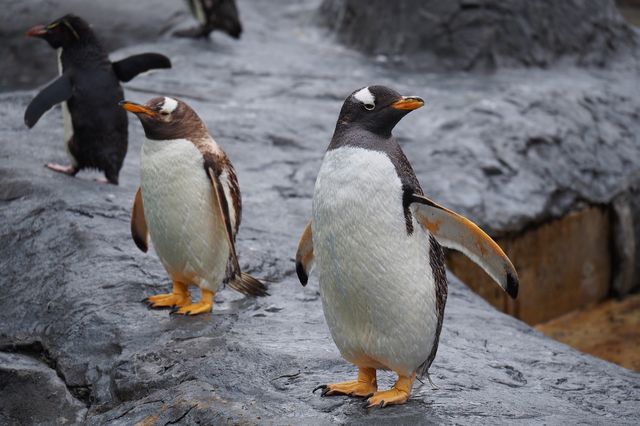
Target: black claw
[(325, 391), (381, 404), (366, 404), (145, 300), (173, 311), (319, 387)]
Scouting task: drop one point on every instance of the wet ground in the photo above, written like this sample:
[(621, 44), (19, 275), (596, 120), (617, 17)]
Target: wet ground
[(487, 145)]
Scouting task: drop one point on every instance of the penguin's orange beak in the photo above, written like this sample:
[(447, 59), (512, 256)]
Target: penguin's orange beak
[(37, 31), (137, 108), (408, 103)]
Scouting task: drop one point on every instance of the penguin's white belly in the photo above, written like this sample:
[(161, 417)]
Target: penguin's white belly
[(186, 230), (376, 282)]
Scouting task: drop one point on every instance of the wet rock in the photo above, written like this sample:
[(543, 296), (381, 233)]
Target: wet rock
[(508, 150), (483, 34), (32, 393)]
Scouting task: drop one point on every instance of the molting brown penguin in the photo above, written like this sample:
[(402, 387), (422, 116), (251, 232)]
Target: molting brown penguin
[(213, 15), (189, 203), (377, 241), (89, 89)]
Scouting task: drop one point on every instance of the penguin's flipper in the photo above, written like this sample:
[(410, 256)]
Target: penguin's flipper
[(139, 230), (58, 91), (237, 280), (127, 68), (304, 255), (459, 233)]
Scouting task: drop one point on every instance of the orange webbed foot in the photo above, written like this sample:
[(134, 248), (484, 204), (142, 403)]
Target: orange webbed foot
[(170, 300), (365, 385), (178, 297), (397, 395), (204, 306)]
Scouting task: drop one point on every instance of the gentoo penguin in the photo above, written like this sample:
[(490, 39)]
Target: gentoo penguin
[(376, 240), (189, 203), (213, 15), (95, 128)]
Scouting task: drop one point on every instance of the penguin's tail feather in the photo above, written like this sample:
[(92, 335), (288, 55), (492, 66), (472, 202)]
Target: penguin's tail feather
[(246, 284), (433, 386)]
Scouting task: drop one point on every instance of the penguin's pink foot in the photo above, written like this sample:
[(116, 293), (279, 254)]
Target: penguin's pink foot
[(398, 394), (102, 180), (365, 385), (202, 307), (179, 297), (67, 170)]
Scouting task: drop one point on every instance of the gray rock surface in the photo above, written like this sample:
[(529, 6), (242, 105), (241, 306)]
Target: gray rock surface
[(483, 34), (507, 149), (31, 392)]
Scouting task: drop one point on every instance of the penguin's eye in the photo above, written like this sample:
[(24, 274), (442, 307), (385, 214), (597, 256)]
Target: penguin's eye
[(369, 107), (164, 113)]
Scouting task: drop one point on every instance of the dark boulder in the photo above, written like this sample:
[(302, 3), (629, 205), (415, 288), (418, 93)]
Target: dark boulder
[(481, 34)]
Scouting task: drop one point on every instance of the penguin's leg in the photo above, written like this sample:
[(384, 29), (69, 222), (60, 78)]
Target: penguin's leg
[(196, 32), (108, 178), (112, 179), (398, 394), (72, 169), (72, 150), (102, 180), (67, 170), (365, 385), (202, 307), (179, 296)]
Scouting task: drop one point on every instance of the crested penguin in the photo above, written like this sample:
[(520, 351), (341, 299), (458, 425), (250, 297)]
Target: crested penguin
[(95, 128), (189, 203), (377, 242), (213, 15)]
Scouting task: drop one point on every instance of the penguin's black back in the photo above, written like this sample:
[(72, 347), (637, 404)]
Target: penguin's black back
[(99, 125)]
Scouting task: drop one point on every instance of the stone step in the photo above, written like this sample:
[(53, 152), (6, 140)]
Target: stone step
[(609, 330)]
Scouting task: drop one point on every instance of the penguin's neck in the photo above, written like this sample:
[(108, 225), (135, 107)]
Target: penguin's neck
[(349, 134), (358, 137)]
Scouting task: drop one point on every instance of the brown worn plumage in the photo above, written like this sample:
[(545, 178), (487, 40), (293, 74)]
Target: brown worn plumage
[(171, 126)]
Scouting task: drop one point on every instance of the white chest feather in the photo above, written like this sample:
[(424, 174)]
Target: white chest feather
[(184, 224), (376, 282)]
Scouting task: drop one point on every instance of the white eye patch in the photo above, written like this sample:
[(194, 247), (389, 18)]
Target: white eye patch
[(366, 97), (169, 105)]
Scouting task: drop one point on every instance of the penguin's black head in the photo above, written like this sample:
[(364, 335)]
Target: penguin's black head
[(165, 118), (62, 32), (377, 109)]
